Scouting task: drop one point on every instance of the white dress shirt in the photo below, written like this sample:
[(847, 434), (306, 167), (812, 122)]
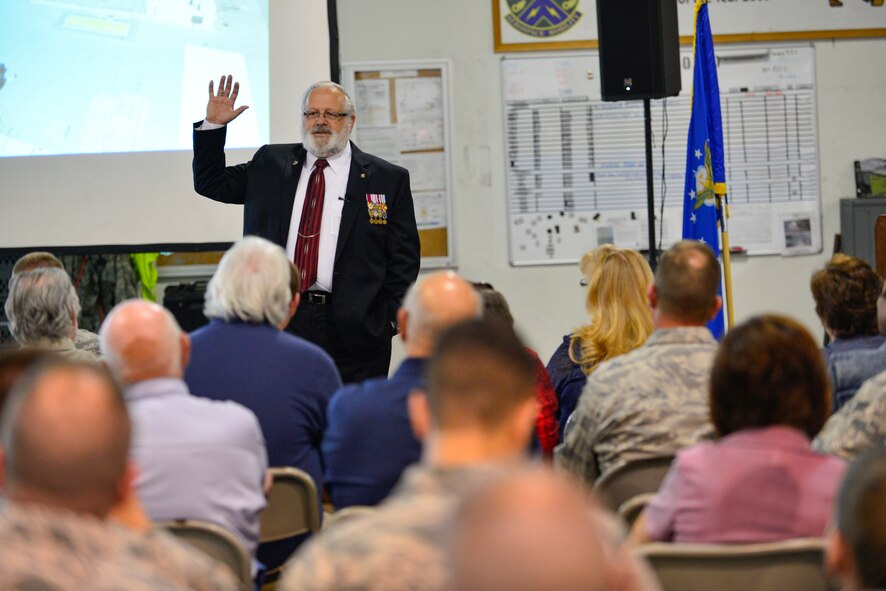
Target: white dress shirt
[(336, 177)]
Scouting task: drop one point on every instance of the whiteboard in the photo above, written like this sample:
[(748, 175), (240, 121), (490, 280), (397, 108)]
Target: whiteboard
[(576, 166), (403, 116)]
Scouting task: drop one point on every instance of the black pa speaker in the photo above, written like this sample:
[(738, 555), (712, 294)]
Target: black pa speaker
[(639, 49)]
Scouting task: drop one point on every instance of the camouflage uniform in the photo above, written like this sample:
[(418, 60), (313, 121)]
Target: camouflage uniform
[(860, 424), (649, 402), (398, 547), (101, 281), (58, 550), (402, 545), (88, 341)]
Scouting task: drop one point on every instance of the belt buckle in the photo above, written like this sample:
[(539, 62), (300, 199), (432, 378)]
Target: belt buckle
[(317, 298)]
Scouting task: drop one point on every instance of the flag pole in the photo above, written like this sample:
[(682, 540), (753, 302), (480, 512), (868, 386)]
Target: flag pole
[(723, 209)]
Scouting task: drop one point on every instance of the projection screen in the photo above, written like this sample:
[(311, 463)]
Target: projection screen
[(97, 101)]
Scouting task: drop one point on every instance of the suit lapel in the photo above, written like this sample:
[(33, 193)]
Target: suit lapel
[(355, 197), (288, 185)]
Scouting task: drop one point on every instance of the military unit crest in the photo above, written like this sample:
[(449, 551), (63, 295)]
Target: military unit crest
[(543, 18), (378, 209)]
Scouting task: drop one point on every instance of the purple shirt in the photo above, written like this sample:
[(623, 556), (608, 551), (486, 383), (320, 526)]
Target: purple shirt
[(755, 485)]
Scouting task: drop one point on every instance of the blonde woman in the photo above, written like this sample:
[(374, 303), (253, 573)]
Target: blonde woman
[(621, 320)]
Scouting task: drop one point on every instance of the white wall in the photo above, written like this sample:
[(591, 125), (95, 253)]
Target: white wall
[(547, 301)]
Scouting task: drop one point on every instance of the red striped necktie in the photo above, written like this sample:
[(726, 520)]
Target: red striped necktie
[(307, 247)]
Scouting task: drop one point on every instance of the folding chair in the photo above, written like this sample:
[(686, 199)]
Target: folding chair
[(631, 478), (215, 541), (292, 509), (791, 564)]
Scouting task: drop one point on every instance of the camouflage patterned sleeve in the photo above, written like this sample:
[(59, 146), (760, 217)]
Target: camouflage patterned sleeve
[(576, 454), (365, 556), (308, 571), (860, 424)]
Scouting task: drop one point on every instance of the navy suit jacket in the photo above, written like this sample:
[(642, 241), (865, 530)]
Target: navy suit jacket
[(369, 440), (374, 263)]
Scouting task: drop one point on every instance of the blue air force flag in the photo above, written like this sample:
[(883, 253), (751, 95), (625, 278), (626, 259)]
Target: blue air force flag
[(705, 171)]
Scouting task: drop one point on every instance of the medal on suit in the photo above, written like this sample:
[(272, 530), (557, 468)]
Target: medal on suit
[(378, 209)]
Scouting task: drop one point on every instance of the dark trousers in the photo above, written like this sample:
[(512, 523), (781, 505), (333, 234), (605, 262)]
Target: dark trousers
[(313, 321)]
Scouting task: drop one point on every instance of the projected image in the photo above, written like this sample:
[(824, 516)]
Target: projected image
[(95, 76)]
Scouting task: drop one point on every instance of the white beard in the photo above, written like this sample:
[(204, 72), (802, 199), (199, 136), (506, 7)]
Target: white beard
[(324, 146)]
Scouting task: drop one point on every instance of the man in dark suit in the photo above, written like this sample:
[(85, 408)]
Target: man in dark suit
[(345, 217)]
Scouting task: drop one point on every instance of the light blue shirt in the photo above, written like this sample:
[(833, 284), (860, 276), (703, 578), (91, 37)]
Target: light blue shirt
[(197, 458)]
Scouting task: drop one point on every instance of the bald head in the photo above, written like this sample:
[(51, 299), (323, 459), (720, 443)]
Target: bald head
[(141, 340), (65, 436), (686, 284), (529, 531), (434, 303)]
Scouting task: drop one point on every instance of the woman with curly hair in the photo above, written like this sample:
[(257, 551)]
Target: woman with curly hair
[(617, 280), (846, 293)]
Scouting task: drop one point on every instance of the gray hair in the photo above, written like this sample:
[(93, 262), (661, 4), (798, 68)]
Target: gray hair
[(349, 104), (40, 305), (251, 284)]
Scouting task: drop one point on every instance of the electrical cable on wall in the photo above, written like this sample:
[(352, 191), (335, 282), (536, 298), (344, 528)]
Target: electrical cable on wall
[(664, 183)]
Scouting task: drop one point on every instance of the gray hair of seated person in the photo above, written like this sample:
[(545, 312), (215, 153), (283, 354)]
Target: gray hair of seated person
[(41, 306), (251, 284)]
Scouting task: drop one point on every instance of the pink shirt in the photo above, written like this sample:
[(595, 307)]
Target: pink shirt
[(755, 485)]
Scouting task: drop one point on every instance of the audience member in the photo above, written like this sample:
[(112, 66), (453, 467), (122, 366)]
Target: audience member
[(196, 458), (84, 339), (370, 441), (859, 425), (653, 401), (42, 309), (848, 370), (761, 481), (846, 292), (547, 430), (245, 354), (475, 420), (532, 531), (617, 280), (65, 436), (857, 543)]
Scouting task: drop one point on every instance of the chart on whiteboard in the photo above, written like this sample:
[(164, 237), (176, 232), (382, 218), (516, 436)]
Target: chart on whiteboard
[(576, 167)]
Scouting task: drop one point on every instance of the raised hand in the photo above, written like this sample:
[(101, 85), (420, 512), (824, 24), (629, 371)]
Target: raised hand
[(220, 108)]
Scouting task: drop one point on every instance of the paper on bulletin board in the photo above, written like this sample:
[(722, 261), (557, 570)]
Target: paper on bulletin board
[(374, 98), (430, 209), (419, 98), (383, 142), (797, 234), (421, 135), (427, 170), (402, 116)]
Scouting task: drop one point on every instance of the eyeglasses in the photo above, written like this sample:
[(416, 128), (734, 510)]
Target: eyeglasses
[(312, 115)]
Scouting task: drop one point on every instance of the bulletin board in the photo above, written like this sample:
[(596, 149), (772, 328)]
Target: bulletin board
[(403, 116), (576, 166)]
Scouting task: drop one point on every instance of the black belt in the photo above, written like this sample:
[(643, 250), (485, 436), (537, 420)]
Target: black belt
[(318, 298)]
